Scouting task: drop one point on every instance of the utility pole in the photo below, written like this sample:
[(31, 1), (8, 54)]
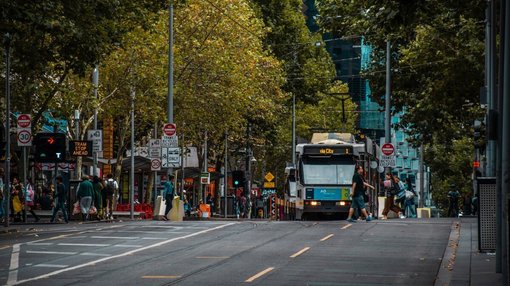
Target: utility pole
[(205, 167), (225, 177), (95, 81), (387, 121), (7, 191), (132, 173), (247, 184), (170, 96), (293, 130)]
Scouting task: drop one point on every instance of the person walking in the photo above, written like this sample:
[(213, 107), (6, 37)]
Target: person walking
[(60, 200), (85, 196), (410, 209), (108, 194), (453, 197), (391, 189), (357, 191), (98, 198), (29, 195), (168, 194)]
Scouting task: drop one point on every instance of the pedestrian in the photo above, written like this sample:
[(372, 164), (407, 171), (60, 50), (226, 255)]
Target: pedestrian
[(108, 194), (98, 198), (242, 206), (85, 196), (2, 189), (168, 194), (29, 199), (17, 199), (391, 188), (60, 200), (410, 210), (467, 204), (453, 199), (357, 191)]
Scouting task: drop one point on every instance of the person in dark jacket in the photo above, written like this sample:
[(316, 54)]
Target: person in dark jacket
[(98, 200), (85, 196), (60, 199)]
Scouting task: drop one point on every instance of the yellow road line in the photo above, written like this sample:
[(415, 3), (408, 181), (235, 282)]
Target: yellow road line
[(299, 252), (251, 279), (347, 226), (327, 237), (162, 277)]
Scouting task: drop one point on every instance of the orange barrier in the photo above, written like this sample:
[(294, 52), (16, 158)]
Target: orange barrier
[(204, 211)]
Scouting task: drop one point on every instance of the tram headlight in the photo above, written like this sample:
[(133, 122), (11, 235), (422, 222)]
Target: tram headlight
[(315, 203), (340, 204)]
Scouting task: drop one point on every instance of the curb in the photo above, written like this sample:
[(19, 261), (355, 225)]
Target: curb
[(444, 273)]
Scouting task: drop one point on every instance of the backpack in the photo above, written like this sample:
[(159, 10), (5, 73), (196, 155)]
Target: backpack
[(110, 187)]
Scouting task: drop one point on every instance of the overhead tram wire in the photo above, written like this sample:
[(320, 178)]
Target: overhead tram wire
[(231, 19)]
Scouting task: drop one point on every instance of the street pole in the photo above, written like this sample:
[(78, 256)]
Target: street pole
[(422, 177), (225, 177), (77, 135), (293, 130), (183, 153), (505, 150), (205, 167), (247, 185), (95, 82), (7, 190), (387, 121), (155, 172), (170, 96), (132, 175)]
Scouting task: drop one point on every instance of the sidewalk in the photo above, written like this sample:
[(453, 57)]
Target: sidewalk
[(462, 263)]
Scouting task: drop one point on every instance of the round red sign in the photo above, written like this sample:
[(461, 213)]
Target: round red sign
[(388, 149), (169, 129), (24, 121)]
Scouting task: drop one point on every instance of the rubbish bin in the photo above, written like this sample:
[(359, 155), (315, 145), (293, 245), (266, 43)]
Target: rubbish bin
[(486, 190)]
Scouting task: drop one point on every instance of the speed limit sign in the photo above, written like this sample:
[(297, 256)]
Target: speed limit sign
[(24, 136)]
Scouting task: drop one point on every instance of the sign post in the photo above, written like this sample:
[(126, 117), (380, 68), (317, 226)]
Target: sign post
[(24, 130), (388, 157)]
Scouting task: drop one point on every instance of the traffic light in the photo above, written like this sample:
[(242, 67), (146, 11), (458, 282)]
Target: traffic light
[(479, 134), (50, 147), (238, 179)]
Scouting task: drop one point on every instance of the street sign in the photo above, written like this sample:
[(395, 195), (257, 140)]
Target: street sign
[(96, 136), (269, 177), (155, 148), (388, 149), (155, 164), (170, 158), (205, 178), (387, 161), (169, 129), (24, 136), (80, 148), (269, 185), (24, 121), (169, 141)]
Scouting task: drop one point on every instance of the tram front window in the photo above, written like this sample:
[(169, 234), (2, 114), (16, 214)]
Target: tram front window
[(327, 174)]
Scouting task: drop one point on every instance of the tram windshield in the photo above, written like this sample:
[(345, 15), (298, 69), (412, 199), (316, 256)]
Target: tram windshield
[(327, 173)]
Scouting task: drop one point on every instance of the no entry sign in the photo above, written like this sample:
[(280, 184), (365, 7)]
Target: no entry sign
[(388, 149), (24, 121), (169, 129)]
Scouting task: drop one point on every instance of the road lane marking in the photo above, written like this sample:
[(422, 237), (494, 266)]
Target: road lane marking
[(154, 238), (13, 268), (213, 257), (115, 237), (127, 245), (327, 237), (131, 252), (51, 252), (346, 226), (299, 252), (51, 265), (84, 244), (161, 277), (40, 243), (267, 270), (93, 254), (5, 247)]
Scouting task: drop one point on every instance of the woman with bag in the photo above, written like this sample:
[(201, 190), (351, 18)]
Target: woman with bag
[(85, 196), (29, 198), (391, 189)]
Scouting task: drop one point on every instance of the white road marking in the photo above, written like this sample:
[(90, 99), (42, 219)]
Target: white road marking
[(93, 254), (327, 237), (40, 243), (51, 252), (299, 252), (120, 255), (5, 247), (346, 226), (13, 268), (84, 244), (162, 277), (267, 270), (127, 245), (115, 237), (154, 238), (213, 257), (159, 232), (51, 265)]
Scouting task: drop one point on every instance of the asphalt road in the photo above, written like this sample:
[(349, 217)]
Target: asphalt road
[(393, 252)]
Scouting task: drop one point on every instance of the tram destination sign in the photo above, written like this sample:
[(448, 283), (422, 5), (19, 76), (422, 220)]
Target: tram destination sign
[(327, 150)]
